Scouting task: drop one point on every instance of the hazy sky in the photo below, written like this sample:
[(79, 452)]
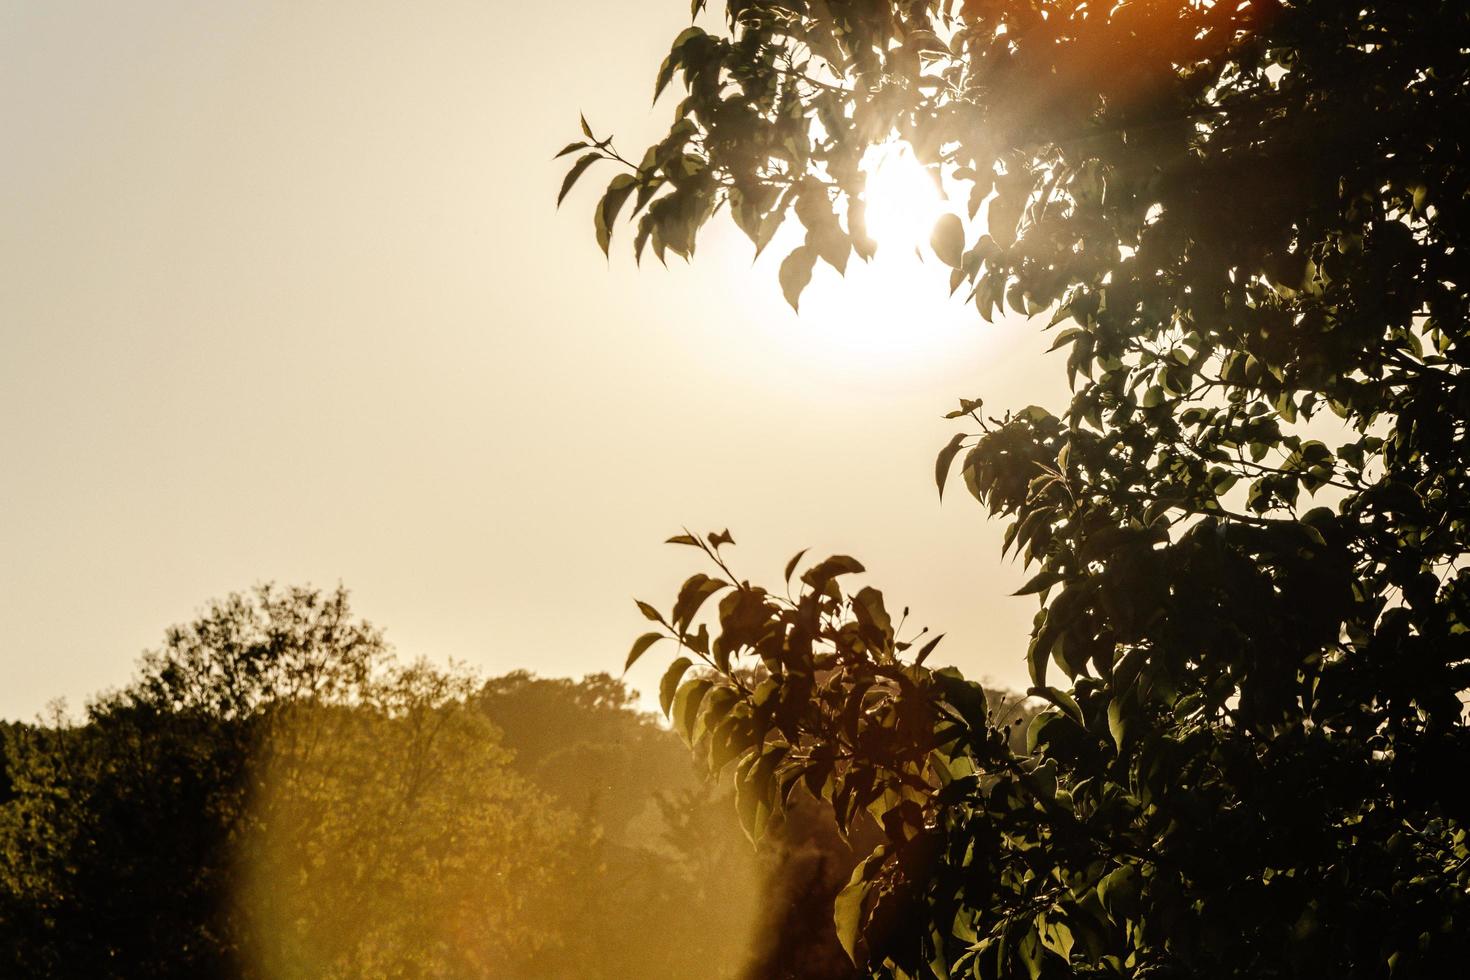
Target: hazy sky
[(283, 296)]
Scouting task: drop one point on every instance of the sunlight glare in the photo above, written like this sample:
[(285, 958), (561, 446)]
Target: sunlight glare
[(903, 201)]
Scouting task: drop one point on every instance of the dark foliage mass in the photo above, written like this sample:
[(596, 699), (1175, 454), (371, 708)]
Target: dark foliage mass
[(1248, 528), (275, 796)]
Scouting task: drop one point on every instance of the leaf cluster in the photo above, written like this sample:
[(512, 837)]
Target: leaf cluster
[(1246, 224)]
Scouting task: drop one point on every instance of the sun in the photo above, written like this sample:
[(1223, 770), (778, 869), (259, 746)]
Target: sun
[(903, 201), (893, 310)]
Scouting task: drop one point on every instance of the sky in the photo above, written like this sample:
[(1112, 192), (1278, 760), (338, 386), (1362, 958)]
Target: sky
[(284, 296)]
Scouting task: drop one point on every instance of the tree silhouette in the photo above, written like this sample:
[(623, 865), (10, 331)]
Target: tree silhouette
[(1245, 221)]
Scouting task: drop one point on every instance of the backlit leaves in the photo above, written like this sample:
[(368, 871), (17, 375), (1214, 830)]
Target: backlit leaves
[(670, 682), (948, 240), (640, 647), (1247, 525), (796, 272), (578, 168), (692, 595), (945, 459)]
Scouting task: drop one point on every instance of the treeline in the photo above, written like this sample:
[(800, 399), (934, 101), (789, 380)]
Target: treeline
[(277, 796)]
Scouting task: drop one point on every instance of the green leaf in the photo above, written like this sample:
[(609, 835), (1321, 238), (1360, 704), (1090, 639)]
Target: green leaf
[(640, 647), (713, 711), (796, 273), (948, 240), (612, 202), (847, 915), (1057, 936), (1030, 952), (577, 170), (1118, 892), (1036, 661), (572, 148), (696, 589), (670, 683), (685, 711), (649, 612), (945, 460), (1117, 724)]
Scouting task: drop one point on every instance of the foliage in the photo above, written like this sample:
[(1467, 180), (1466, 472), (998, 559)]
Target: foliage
[(1247, 223), (632, 905), (391, 838), (587, 744), (273, 796)]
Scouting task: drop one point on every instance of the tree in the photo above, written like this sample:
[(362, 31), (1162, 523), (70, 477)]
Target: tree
[(672, 888), (1247, 222), (630, 906), (391, 837), (275, 796), (588, 745)]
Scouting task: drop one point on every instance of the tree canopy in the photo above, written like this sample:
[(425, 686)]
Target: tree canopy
[(277, 795), (1244, 223)]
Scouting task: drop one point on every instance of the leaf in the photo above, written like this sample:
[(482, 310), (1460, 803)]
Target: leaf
[(674, 60), (1062, 700), (612, 202), (945, 460), (1039, 583), (577, 170), (771, 223), (1117, 724), (696, 589), (868, 606), (948, 240), (1029, 950), (832, 245), (847, 915), (1037, 656), (649, 612), (824, 571), (640, 647), (1057, 937), (1118, 891), (686, 705), (586, 129), (670, 683), (791, 565), (796, 272), (721, 538), (713, 711), (1127, 669), (572, 148), (688, 539), (1036, 729), (927, 649)]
